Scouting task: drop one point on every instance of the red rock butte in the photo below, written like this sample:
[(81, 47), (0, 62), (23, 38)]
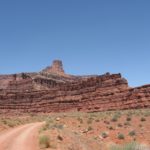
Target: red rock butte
[(52, 90), (56, 68)]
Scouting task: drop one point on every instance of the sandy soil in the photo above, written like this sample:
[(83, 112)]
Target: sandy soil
[(84, 131), (20, 138)]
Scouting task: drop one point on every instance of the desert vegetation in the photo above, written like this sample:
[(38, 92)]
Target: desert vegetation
[(7, 122), (111, 130), (130, 146)]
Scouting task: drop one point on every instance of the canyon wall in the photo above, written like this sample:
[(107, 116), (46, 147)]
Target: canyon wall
[(52, 90)]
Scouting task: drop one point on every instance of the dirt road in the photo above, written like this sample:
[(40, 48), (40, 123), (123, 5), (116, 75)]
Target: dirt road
[(21, 138)]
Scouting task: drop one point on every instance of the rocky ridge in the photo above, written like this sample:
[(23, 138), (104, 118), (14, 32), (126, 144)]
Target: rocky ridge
[(52, 90)]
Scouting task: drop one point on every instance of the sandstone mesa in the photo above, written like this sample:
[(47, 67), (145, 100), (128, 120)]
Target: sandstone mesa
[(52, 90)]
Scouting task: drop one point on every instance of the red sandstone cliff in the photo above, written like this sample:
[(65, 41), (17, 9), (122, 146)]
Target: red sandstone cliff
[(51, 90)]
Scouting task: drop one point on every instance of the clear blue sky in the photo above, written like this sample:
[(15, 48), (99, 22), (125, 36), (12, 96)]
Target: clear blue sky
[(90, 36)]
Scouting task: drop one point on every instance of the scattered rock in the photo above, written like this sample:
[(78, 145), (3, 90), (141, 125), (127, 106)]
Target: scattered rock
[(57, 119)]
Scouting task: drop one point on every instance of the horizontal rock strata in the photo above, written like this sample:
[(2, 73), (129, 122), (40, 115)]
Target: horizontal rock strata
[(54, 91)]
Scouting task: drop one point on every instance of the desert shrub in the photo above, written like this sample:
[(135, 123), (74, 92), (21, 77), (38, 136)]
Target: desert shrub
[(129, 114), (80, 120), (120, 125), (128, 118), (110, 128), (140, 125), (132, 133), (90, 128), (121, 136), (104, 134), (129, 146), (44, 141), (127, 124), (59, 126), (90, 120), (97, 120), (143, 119), (106, 122), (114, 119), (24, 76), (147, 113), (118, 114), (11, 123), (48, 124)]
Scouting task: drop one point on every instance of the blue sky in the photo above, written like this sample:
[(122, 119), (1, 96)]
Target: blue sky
[(90, 36)]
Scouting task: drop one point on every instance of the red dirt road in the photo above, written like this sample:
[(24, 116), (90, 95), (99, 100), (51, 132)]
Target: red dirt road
[(21, 138)]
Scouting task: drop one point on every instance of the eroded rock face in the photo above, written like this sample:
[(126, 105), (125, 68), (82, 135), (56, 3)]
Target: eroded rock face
[(54, 91), (56, 68)]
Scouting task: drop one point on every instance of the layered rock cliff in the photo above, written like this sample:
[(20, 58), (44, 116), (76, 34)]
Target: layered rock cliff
[(52, 90)]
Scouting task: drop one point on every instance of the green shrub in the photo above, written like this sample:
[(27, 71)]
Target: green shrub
[(129, 146), (48, 124), (59, 126), (132, 133), (127, 124), (104, 134), (121, 136), (114, 118), (10, 123), (44, 141)]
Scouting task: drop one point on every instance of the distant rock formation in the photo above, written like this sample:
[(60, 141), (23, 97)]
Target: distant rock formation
[(52, 90), (56, 68)]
